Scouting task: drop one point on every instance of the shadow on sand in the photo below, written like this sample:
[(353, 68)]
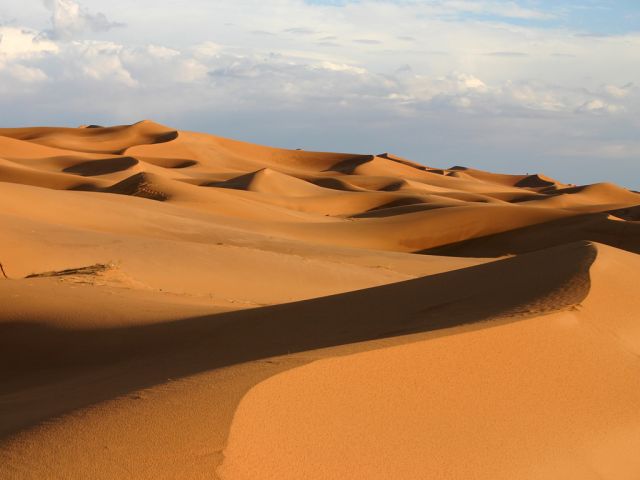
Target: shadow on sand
[(512, 288)]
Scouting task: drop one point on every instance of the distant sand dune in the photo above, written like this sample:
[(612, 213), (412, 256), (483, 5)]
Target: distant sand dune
[(182, 305)]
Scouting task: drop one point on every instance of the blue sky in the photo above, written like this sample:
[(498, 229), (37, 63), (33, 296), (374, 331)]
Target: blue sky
[(515, 86), (596, 17)]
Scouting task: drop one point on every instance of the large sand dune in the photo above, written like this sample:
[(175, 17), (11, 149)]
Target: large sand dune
[(181, 305)]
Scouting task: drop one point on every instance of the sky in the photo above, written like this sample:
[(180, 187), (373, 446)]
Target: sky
[(516, 86)]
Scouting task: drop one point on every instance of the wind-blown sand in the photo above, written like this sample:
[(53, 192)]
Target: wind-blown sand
[(180, 305)]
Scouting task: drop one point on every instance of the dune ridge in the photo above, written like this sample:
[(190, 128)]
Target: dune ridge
[(357, 194), (182, 305)]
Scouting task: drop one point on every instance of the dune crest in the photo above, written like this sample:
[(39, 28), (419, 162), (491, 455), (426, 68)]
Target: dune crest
[(183, 305)]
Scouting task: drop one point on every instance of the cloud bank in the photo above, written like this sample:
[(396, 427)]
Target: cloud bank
[(492, 84)]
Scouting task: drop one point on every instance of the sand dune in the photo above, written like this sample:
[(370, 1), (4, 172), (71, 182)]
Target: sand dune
[(181, 305), (94, 140), (531, 408)]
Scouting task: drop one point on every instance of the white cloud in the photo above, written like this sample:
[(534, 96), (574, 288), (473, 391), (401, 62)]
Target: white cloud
[(340, 67), (68, 19), (598, 106), (618, 92), (23, 42), (157, 65), (26, 74), (97, 61), (206, 49)]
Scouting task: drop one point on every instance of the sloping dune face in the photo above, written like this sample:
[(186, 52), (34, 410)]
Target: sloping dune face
[(181, 305)]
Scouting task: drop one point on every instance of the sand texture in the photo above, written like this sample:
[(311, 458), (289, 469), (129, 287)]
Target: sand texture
[(177, 305)]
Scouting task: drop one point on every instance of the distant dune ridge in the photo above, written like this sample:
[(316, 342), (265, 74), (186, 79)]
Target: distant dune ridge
[(182, 305)]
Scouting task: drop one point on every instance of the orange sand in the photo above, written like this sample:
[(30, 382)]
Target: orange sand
[(180, 305)]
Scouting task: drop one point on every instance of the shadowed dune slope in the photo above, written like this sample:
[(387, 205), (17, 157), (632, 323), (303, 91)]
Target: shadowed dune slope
[(182, 305), (599, 227), (427, 303)]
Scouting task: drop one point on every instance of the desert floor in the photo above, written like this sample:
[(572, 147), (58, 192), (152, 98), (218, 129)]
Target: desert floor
[(181, 305)]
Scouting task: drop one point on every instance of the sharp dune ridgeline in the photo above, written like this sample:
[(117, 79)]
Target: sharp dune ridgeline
[(182, 305)]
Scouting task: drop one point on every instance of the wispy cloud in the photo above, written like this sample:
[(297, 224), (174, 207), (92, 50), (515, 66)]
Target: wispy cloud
[(507, 54), (300, 31)]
